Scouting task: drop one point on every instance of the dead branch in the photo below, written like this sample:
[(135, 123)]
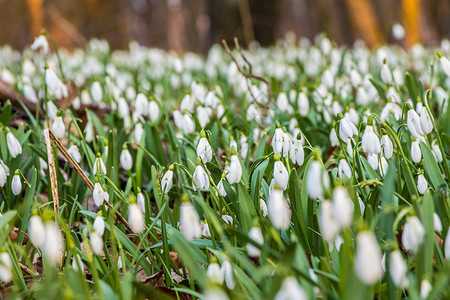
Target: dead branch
[(6, 93), (52, 170)]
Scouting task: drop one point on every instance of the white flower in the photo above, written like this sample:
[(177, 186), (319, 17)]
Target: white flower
[(425, 288), (99, 166), (126, 160), (278, 209), (291, 290), (214, 273), (55, 86), (281, 142), (347, 129), (77, 263), (227, 271), (283, 103), (327, 222), (189, 221), (2, 176), (167, 180), (206, 231), (413, 234), (30, 93), (5, 267), (41, 42), (244, 146), (16, 184), (14, 146), (422, 184), (344, 169), (221, 188), (153, 111), (204, 150), (141, 104), (416, 153), (75, 153), (263, 207), (58, 127), (228, 219), (387, 146), (188, 124), (53, 245), (391, 108), (280, 174), (383, 166), (138, 131), (36, 231), (89, 132), (203, 115), (413, 122), (96, 243), (386, 74), (215, 293), (368, 258), (99, 225), (98, 194), (447, 244), (296, 153), (235, 173), (256, 235), (437, 152), (370, 142), (200, 177), (187, 103), (316, 180), (437, 224), (398, 32), (333, 138), (140, 199), (373, 161), (342, 207), (425, 121), (398, 269), (445, 63), (135, 218), (96, 92)]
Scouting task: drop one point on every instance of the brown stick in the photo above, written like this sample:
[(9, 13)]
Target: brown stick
[(7, 93), (83, 176), (52, 170), (26, 270)]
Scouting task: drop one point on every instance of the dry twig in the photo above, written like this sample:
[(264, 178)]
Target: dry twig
[(52, 170)]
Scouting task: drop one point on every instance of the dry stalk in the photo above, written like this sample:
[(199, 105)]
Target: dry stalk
[(52, 170)]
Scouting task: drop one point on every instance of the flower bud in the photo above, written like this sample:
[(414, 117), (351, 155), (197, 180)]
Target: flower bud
[(278, 209), (189, 221), (387, 146), (135, 218), (126, 160), (14, 146), (5, 267), (413, 234), (214, 273), (368, 258), (58, 127), (256, 235), (96, 243), (204, 150), (16, 184), (398, 269), (235, 173), (416, 153), (291, 289), (425, 121), (280, 174), (99, 225), (422, 184), (36, 231), (167, 180)]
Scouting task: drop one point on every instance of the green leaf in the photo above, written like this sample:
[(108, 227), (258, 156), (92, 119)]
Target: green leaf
[(431, 168)]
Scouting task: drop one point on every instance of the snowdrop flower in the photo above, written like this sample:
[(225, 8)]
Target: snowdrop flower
[(204, 150), (398, 269), (55, 86), (425, 288), (437, 224), (36, 231), (30, 93), (437, 152), (386, 74), (126, 160), (99, 224), (333, 138), (283, 103), (41, 43), (153, 111), (75, 153), (416, 153), (383, 166), (58, 127), (227, 271), (368, 258), (278, 209), (445, 64), (291, 290), (51, 109), (235, 173), (346, 129), (140, 199), (16, 184), (135, 218), (167, 180), (391, 108), (256, 235), (244, 146), (98, 194), (327, 221), (303, 104), (296, 152), (370, 142), (89, 132), (214, 273), (263, 207), (422, 184), (13, 143), (206, 231), (425, 121), (387, 146), (280, 174), (373, 161), (280, 142), (413, 122), (189, 220), (215, 293), (2, 176), (447, 244), (141, 104), (96, 243), (99, 166), (96, 92), (342, 207), (398, 32), (413, 234), (317, 180), (188, 123), (200, 176), (53, 245), (203, 115), (138, 131), (220, 187), (77, 263), (5, 267), (344, 168)]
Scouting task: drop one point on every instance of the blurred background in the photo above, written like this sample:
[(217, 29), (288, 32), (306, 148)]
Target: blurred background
[(194, 25)]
